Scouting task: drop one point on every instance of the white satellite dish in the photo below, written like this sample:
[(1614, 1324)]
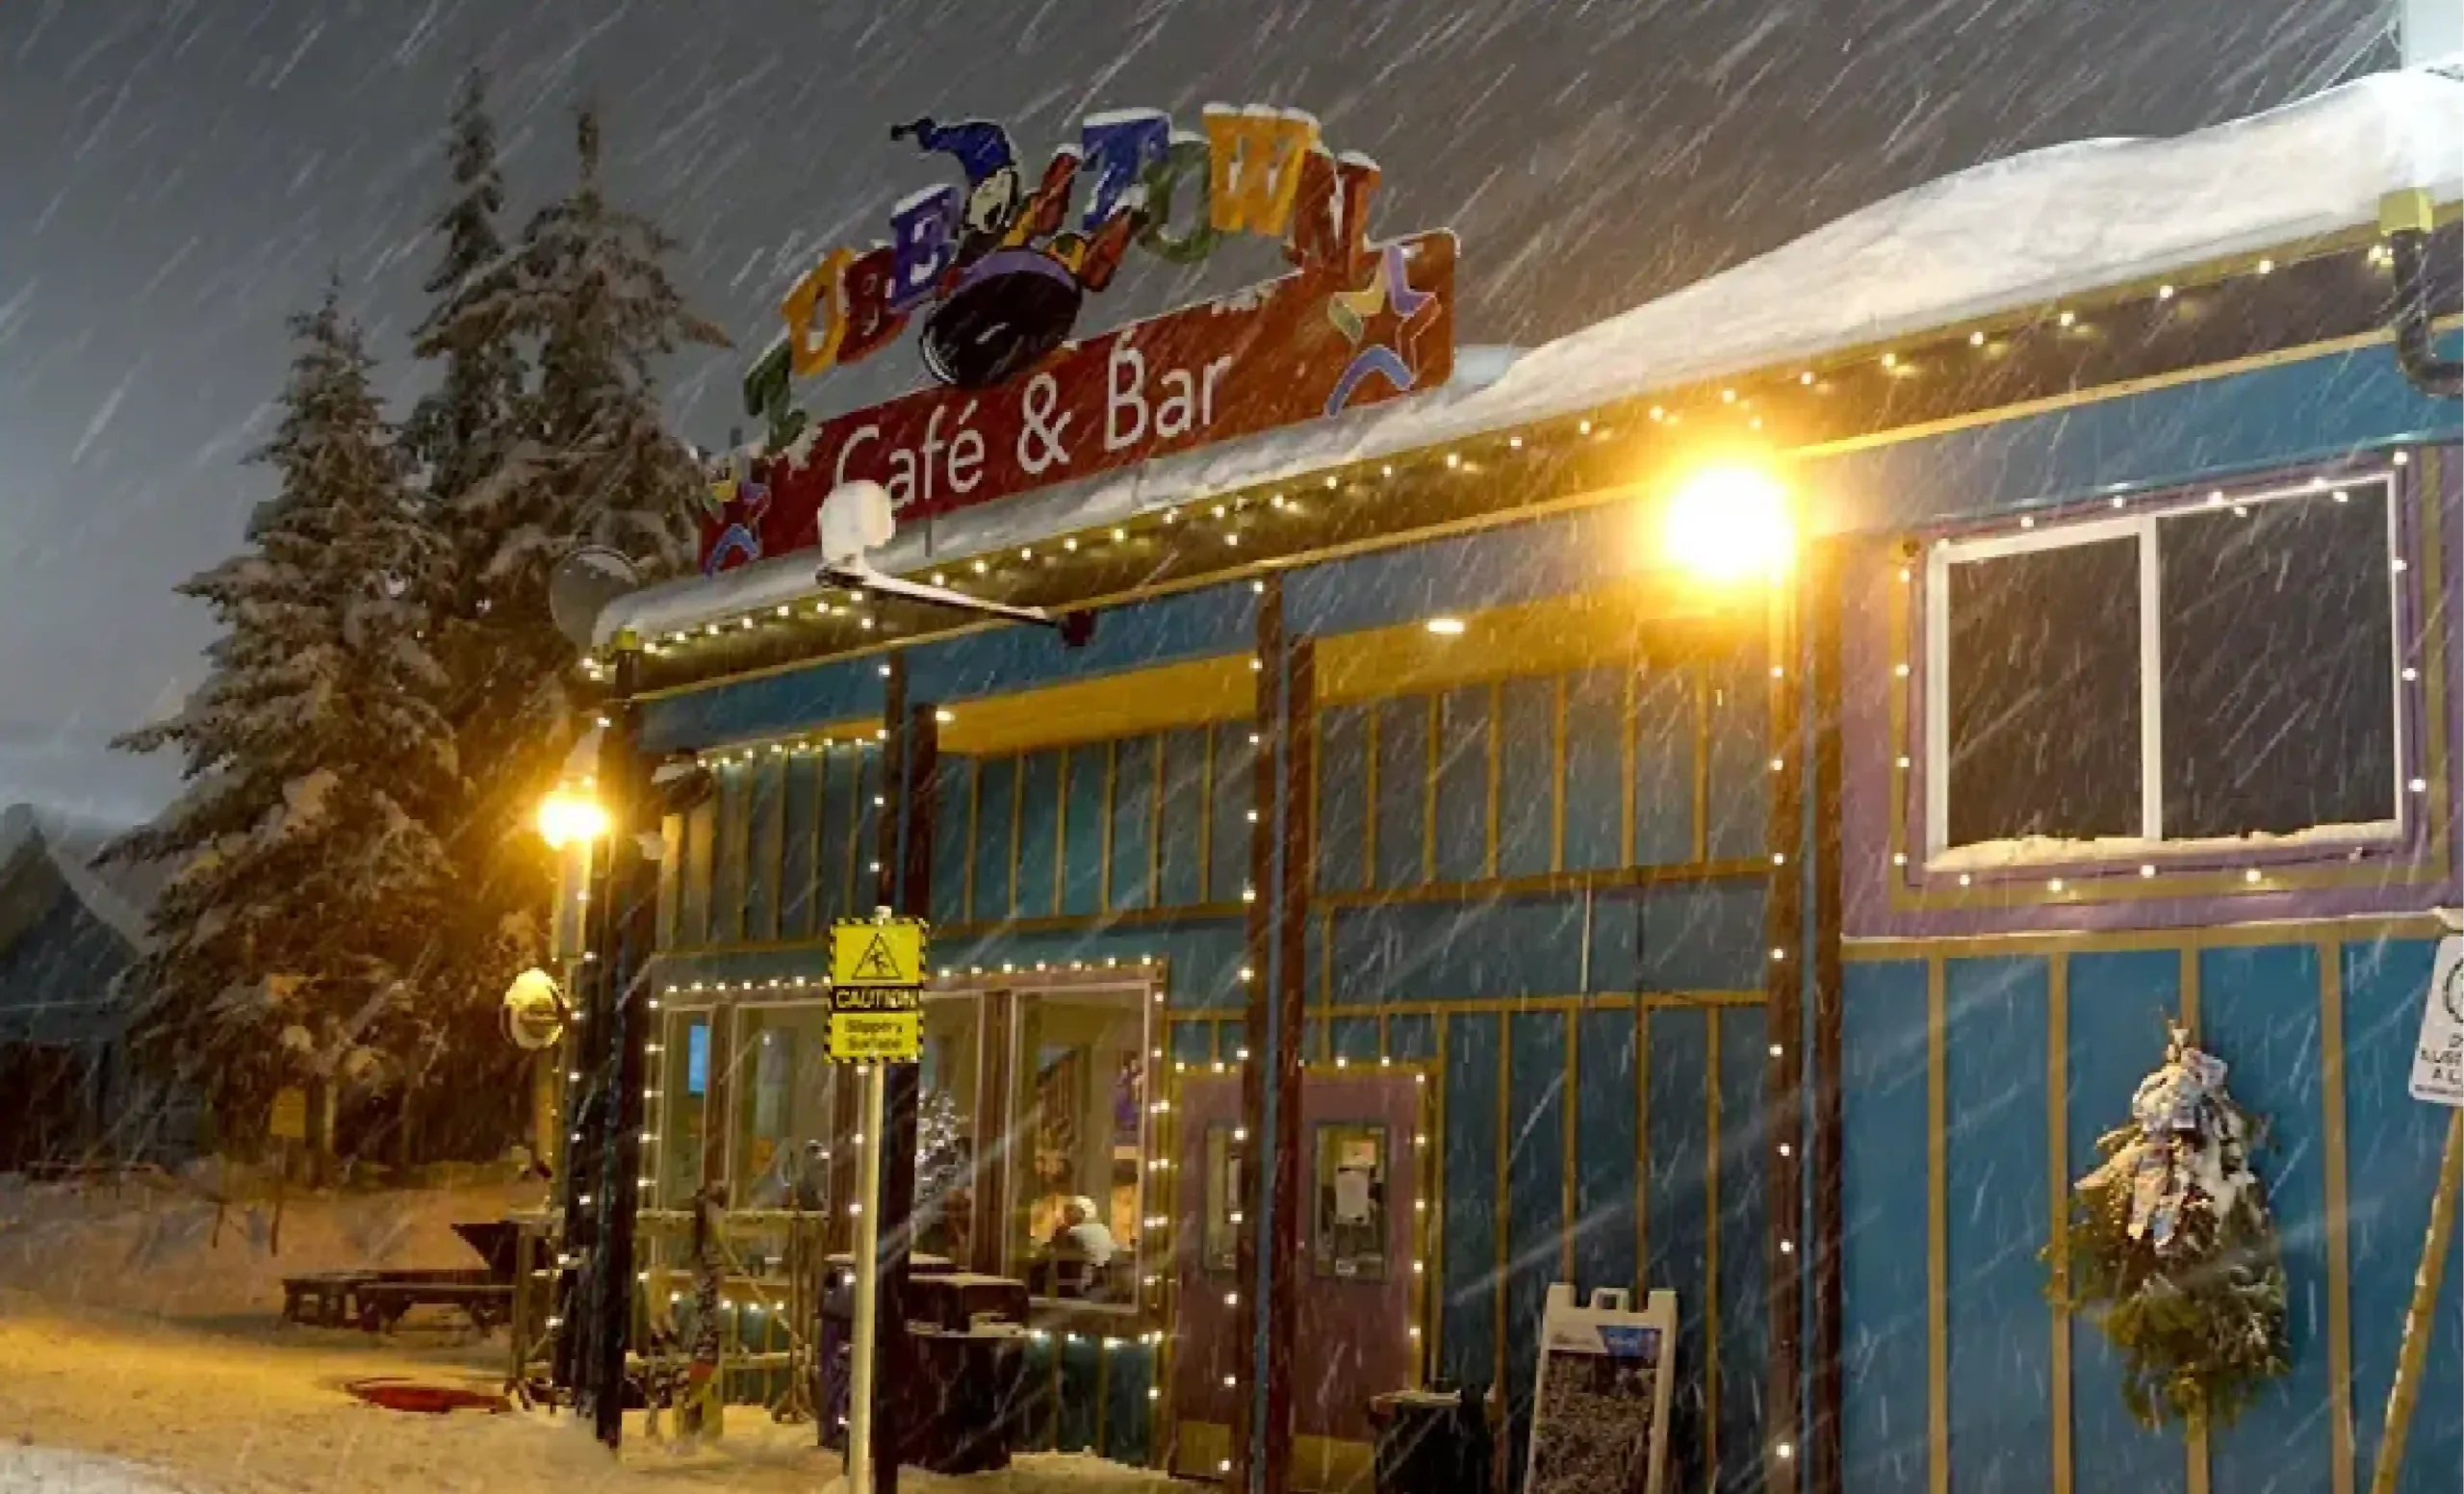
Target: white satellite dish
[(534, 1012), (854, 518), (580, 587)]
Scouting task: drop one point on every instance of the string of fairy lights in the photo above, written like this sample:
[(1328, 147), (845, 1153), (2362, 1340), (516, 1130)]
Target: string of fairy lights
[(1745, 407)]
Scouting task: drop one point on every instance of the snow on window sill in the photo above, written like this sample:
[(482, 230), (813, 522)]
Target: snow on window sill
[(2034, 852)]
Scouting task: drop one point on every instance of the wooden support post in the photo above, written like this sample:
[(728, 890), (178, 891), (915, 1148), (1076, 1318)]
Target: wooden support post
[(2421, 1318), (1822, 603), (1257, 1033)]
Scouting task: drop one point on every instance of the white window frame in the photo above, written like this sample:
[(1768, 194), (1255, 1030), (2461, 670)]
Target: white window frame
[(1943, 553)]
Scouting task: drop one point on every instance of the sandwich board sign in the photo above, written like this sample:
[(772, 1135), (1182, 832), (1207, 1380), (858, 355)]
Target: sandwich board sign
[(1601, 1393), (876, 998), (2438, 1058)]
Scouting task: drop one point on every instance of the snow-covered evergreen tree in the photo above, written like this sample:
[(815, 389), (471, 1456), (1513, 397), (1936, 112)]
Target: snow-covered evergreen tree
[(305, 868), (461, 429)]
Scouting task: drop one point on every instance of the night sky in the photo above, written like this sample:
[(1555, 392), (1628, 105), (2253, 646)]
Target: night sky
[(182, 174)]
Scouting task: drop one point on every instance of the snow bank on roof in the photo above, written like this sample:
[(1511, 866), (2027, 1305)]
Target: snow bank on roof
[(2010, 234)]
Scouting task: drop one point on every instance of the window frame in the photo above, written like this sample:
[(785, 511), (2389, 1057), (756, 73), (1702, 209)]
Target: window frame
[(2144, 526)]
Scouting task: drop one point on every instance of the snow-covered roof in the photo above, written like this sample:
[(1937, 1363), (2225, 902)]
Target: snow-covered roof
[(119, 896), (2000, 237)]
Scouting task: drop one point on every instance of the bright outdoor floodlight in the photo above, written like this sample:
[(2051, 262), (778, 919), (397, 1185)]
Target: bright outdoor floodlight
[(1729, 523), (566, 817)]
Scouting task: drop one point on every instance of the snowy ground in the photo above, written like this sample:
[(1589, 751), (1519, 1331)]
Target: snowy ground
[(135, 1359)]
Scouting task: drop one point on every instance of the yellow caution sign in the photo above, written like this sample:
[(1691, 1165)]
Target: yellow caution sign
[(288, 1121), (876, 1037), (867, 954)]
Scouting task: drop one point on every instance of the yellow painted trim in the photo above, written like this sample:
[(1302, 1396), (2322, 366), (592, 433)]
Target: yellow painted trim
[(1627, 726), (1497, 758), (2431, 618), (1569, 1200), (1711, 1243), (1436, 734), (1557, 777), (2057, 1137), (2331, 1100), (2238, 936), (1187, 693), (1018, 821), (1938, 1242), (2190, 990), (1624, 619)]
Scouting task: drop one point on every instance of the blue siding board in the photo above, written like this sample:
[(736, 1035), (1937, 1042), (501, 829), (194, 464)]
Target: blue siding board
[(1739, 770), (1353, 1039), (1703, 935), (1192, 1041), (1468, 1343), (1997, 1184), (766, 784), (951, 775), (1343, 801), (1664, 767), (1745, 1233), (1183, 810), (1605, 1152), (1883, 1198), (1527, 765), (1535, 1187), (1126, 1425), (726, 856), (1462, 825), (2259, 1013), (1235, 792), (775, 705), (1083, 831), (2119, 1003), (1039, 835), (1430, 951), (802, 823), (863, 895), (1402, 796), (1675, 1211), (1411, 1040), (1133, 823), (1208, 622), (1595, 762), (997, 788), (2392, 1148)]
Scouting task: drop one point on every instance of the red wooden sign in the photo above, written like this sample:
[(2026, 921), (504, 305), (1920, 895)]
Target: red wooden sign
[(1313, 344)]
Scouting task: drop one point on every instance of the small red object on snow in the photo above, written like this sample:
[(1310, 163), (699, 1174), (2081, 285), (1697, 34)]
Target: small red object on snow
[(400, 1395)]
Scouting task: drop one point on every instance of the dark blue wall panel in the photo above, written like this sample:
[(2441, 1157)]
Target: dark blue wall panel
[(1535, 1184), (1463, 785), (803, 834), (1425, 951), (1605, 1152), (1664, 766), (2393, 1143), (1343, 797), (1883, 1198), (1134, 823), (2119, 1003), (1083, 831), (1677, 1140), (1745, 1228), (1526, 767), (2259, 1013), (1402, 790), (1739, 767), (1999, 1179), (1468, 1343), (1595, 768), (1039, 835), (1704, 935), (1236, 793), (996, 790), (1183, 812)]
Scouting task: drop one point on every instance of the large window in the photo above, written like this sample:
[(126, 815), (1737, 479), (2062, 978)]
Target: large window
[(2222, 671), (782, 1097), (1078, 1165)]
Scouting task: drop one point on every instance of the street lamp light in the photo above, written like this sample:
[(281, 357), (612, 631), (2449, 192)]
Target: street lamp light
[(1730, 523), (566, 817)]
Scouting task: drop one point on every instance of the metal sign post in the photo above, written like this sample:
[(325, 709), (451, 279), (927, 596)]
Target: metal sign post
[(876, 1003), (869, 1270)]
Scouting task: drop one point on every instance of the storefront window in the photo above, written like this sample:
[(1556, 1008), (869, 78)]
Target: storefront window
[(945, 1145), (782, 1085), (1080, 1158), (684, 1090)]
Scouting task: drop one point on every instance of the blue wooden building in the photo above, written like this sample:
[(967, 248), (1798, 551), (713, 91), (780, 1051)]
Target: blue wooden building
[(1785, 944)]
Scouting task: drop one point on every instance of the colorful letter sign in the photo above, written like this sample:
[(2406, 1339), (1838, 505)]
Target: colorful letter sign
[(996, 273)]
